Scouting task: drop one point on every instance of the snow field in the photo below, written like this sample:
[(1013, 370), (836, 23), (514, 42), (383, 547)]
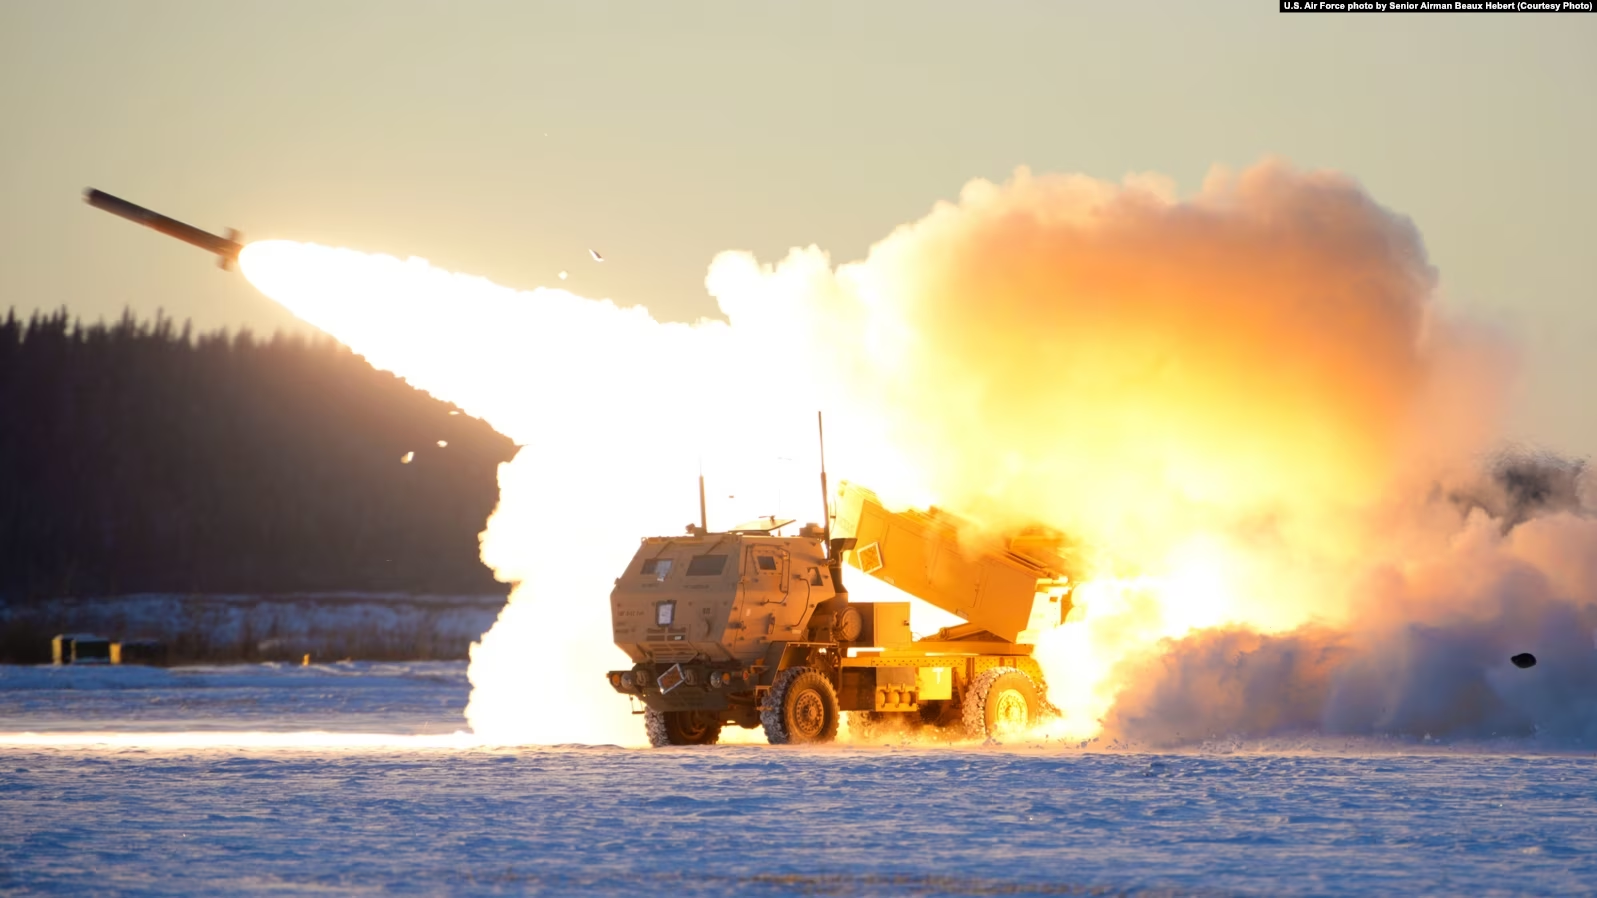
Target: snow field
[(143, 818)]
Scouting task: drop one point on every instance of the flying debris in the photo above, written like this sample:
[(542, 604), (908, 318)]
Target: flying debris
[(595, 254), (406, 458), (442, 443), (562, 275), (227, 248), (1524, 660), (454, 412)]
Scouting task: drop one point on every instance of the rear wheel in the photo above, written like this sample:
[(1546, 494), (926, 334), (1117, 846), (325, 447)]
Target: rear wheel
[(682, 727), (800, 708), (1001, 702)]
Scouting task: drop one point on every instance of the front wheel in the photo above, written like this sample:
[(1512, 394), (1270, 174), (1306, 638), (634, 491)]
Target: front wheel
[(800, 708), (1001, 702), (681, 727)]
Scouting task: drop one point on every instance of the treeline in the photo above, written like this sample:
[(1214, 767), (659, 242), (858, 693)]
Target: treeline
[(139, 457)]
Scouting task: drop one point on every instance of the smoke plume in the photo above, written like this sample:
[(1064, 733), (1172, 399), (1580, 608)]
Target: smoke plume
[(1244, 404), (1425, 653)]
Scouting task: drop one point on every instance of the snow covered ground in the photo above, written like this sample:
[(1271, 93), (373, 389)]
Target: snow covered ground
[(190, 797), (370, 697)]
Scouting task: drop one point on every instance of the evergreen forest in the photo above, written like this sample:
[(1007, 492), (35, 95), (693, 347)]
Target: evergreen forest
[(138, 457)]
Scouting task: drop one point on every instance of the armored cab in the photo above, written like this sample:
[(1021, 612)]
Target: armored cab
[(718, 600), (709, 620), (754, 629)]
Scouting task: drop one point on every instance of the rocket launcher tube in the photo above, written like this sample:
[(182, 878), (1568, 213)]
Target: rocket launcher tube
[(993, 587)]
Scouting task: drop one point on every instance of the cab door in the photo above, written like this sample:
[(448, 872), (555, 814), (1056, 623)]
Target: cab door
[(764, 572), (764, 576)]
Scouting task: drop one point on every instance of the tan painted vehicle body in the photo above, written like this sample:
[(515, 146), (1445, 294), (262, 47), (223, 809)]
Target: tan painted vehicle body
[(751, 629)]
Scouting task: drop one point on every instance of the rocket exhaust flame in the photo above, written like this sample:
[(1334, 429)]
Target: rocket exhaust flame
[(1242, 402)]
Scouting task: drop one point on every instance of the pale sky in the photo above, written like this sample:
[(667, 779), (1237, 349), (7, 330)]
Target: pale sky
[(507, 137)]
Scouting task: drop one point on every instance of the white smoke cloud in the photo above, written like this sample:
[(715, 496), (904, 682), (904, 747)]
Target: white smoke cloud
[(1425, 653), (1232, 399)]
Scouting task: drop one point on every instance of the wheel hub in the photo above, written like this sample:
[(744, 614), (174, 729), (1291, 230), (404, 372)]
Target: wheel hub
[(1010, 713), (809, 714)]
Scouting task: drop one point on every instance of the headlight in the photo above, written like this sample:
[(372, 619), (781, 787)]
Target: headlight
[(628, 680), (715, 679)]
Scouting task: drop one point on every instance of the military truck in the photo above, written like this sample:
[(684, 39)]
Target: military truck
[(750, 628)]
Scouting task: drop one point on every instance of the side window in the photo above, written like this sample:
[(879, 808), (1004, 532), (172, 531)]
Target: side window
[(766, 562), (707, 566), (658, 568)]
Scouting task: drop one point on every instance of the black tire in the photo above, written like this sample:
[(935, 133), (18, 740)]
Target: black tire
[(682, 727), (801, 708), (1002, 702)]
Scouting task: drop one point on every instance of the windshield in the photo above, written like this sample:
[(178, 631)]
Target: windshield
[(707, 566)]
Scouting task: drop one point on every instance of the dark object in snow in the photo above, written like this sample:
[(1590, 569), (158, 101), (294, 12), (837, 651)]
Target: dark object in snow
[(80, 648), (1524, 660), (139, 651)]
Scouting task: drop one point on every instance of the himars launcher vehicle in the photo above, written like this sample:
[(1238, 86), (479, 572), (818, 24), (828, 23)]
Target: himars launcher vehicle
[(752, 629)]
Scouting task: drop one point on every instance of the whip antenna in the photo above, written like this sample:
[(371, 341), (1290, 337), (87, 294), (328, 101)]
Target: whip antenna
[(704, 518), (826, 496)]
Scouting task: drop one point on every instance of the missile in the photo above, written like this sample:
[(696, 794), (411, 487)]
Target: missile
[(226, 248)]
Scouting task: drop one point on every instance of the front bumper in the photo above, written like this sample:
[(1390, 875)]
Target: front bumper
[(683, 687)]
